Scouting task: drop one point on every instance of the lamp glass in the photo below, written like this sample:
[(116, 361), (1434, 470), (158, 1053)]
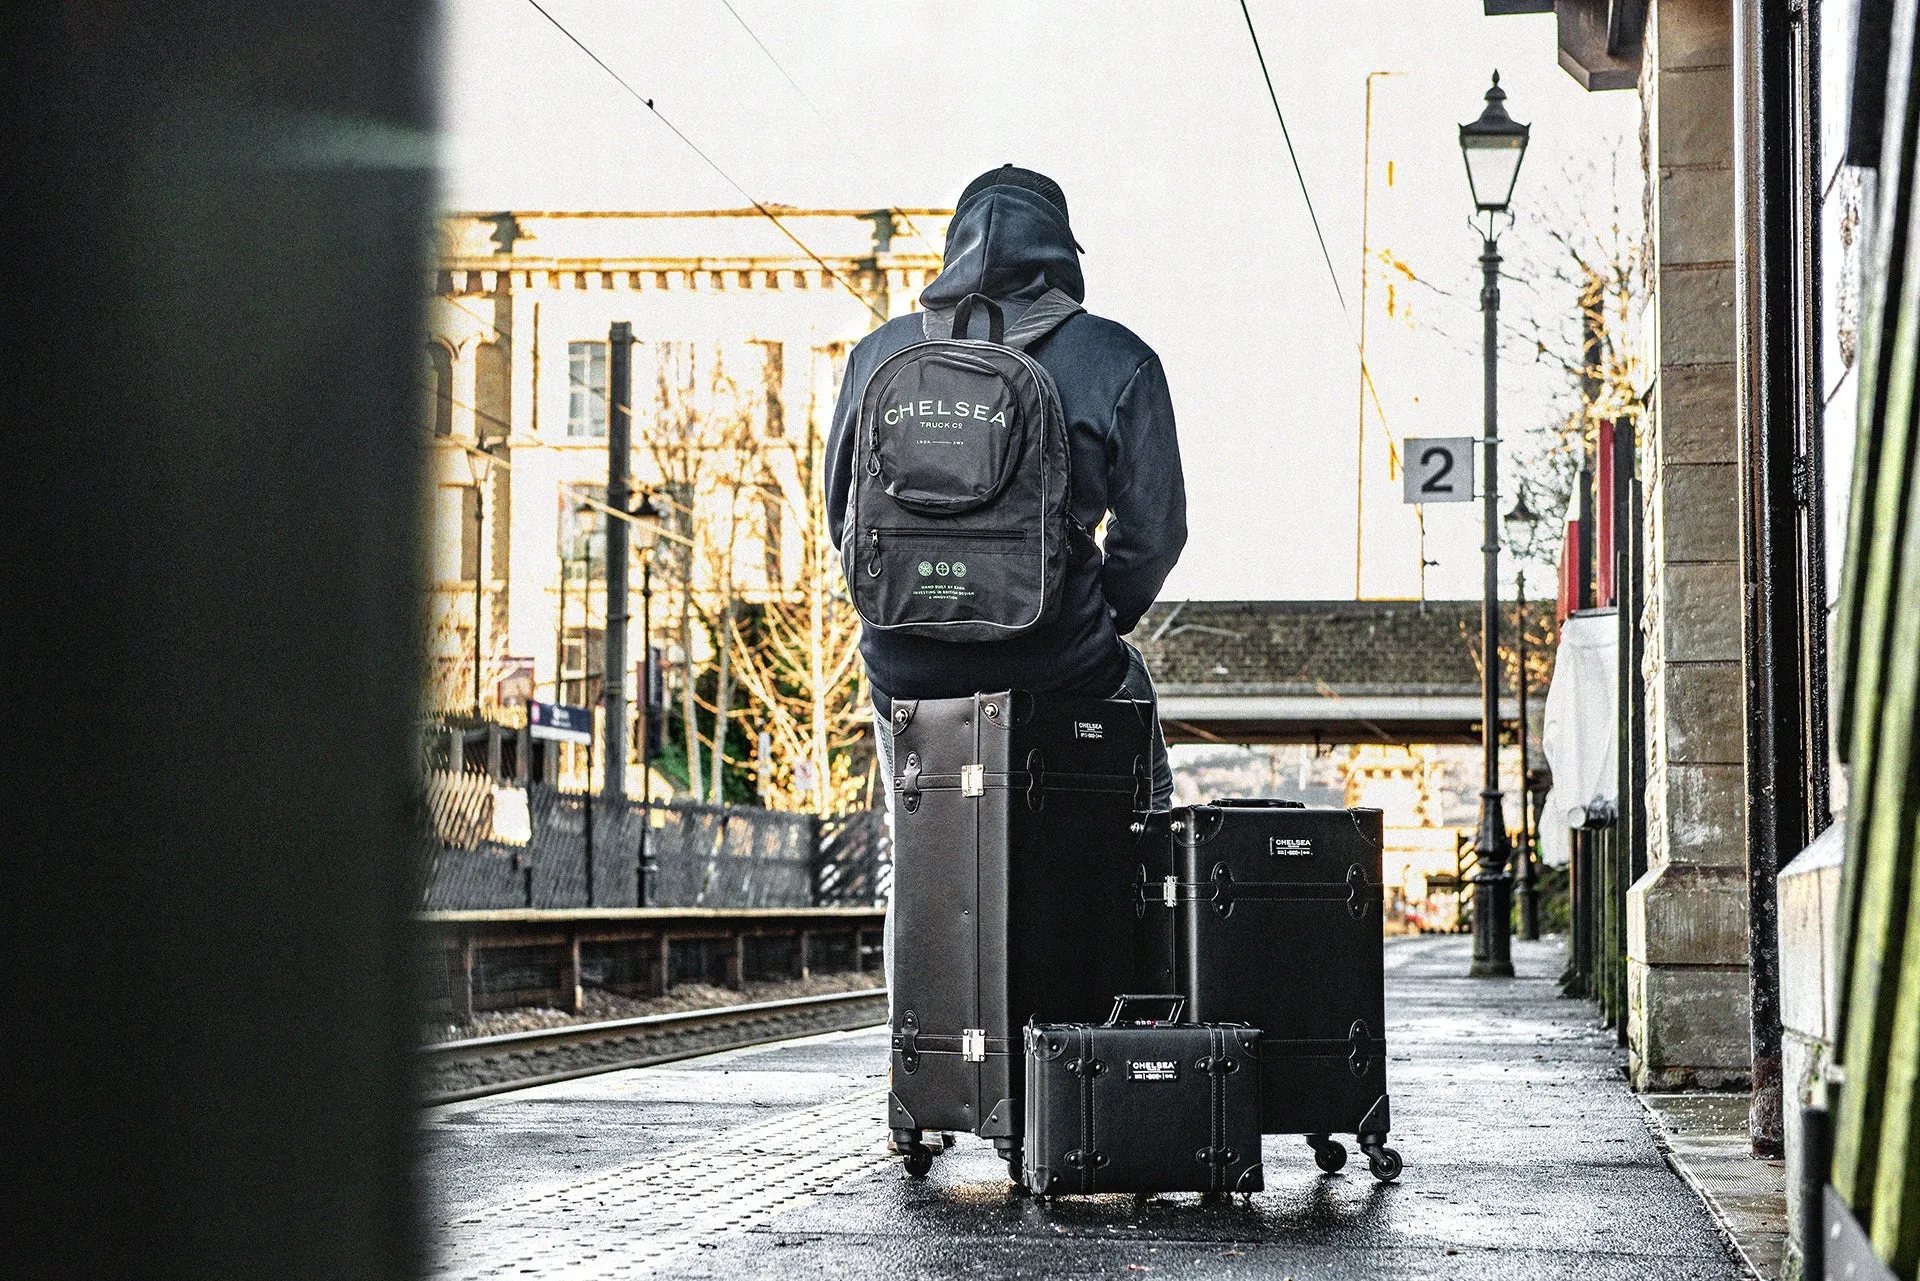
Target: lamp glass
[(1493, 166), (479, 464)]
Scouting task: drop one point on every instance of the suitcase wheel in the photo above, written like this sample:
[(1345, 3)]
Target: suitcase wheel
[(1384, 1162), (918, 1163), (1329, 1154)]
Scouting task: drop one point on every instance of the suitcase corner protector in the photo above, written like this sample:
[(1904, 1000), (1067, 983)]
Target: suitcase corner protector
[(1000, 1123), (1378, 1120), (898, 1118)]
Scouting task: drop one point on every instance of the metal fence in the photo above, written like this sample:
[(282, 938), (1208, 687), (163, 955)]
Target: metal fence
[(693, 855)]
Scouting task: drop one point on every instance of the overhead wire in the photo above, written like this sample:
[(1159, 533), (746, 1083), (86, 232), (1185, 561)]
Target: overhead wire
[(711, 163), (819, 115), (1333, 276), (1287, 136)]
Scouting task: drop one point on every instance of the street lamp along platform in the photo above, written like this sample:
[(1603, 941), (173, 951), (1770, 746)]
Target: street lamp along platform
[(1493, 147), (480, 460)]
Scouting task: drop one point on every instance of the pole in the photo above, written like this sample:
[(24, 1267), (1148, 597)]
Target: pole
[(1492, 882), (479, 577), (640, 896), (1529, 861), (619, 494), (586, 693)]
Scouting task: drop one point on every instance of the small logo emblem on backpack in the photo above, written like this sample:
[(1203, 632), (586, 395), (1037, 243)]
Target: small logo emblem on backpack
[(959, 569), (926, 568), (941, 569), (1089, 729), (1290, 847)]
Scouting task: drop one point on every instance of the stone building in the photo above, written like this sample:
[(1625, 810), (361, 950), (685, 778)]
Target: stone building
[(517, 365), (1761, 128)]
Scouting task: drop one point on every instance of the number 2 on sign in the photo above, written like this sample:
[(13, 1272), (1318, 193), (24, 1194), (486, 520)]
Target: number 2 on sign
[(1438, 470)]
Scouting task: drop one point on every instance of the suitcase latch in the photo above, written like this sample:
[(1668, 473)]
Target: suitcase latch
[(1170, 891), (973, 1044), (973, 780)]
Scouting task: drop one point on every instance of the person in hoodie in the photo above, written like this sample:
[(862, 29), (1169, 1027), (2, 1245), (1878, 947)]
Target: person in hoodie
[(1010, 240)]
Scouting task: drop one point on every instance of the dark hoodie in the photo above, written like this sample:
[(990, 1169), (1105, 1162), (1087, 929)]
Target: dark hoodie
[(1012, 245)]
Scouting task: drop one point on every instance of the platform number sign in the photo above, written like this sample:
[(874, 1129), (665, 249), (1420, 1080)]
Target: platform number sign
[(1437, 469)]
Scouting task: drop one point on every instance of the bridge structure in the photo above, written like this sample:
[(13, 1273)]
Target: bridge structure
[(1287, 671)]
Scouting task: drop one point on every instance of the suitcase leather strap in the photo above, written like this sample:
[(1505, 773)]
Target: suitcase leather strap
[(1222, 890), (1087, 1158), (910, 1043), (1036, 780), (1359, 1048)]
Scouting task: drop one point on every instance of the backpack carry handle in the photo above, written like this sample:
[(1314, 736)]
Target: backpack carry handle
[(1152, 1010), (996, 319)]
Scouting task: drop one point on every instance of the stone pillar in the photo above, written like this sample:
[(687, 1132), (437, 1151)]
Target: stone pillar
[(1687, 917)]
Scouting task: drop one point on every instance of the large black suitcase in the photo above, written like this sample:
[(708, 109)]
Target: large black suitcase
[(1142, 1106), (1014, 845), (1272, 912)]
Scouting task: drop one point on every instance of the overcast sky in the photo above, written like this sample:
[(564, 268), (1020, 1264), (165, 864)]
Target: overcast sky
[(1153, 117)]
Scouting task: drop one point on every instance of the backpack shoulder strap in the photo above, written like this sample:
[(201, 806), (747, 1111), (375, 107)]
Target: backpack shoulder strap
[(1048, 313)]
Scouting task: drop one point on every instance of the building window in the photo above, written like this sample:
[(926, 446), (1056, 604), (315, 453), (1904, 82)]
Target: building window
[(456, 534), (492, 391), (773, 377), (587, 389), (439, 388)]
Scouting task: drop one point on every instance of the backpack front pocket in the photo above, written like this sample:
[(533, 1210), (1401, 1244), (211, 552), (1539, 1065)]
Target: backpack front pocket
[(947, 434), (951, 580)]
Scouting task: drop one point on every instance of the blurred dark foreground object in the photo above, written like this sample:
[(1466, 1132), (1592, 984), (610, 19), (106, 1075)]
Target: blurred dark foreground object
[(217, 217)]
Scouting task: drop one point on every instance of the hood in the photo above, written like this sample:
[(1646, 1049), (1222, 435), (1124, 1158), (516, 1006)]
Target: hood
[(1006, 243)]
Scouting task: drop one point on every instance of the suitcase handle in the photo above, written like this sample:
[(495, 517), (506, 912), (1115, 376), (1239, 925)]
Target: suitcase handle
[(1256, 803), (1162, 1008)]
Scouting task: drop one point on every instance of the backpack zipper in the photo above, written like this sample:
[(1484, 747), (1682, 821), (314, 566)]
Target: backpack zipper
[(975, 535)]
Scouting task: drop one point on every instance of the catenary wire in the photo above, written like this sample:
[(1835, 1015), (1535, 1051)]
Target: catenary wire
[(819, 115), (1286, 136), (711, 163)]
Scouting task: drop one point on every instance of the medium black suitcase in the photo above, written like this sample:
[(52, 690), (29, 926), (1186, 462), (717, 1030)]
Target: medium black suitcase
[(1275, 922), (1014, 849), (1142, 1106)]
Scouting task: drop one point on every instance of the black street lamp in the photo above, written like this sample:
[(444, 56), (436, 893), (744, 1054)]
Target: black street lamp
[(645, 532), (1521, 522), (1493, 146), (479, 468)]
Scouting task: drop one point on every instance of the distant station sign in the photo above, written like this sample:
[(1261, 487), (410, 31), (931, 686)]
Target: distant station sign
[(561, 722), (1437, 469)]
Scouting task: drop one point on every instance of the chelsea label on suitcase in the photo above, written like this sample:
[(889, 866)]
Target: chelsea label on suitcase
[(1272, 913), (1142, 1105), (1014, 818)]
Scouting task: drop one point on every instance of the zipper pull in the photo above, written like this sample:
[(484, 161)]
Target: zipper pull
[(873, 553)]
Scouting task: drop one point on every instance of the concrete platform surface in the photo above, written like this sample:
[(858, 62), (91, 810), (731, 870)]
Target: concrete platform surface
[(1526, 1157)]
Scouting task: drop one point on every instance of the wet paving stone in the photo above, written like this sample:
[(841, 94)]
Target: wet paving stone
[(1525, 1157)]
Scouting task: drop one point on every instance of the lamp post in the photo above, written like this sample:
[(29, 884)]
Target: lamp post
[(479, 468), (1520, 523), (1493, 147), (645, 532)]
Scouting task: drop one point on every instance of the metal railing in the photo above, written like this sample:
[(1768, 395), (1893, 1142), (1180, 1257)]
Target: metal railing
[(574, 851)]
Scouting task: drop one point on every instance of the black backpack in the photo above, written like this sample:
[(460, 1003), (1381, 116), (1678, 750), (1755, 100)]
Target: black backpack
[(958, 524)]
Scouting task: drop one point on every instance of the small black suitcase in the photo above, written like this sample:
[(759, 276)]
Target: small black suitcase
[(1142, 1106), (1014, 848), (1276, 922)]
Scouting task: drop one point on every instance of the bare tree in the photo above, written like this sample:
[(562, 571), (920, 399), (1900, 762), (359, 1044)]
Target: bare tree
[(798, 656)]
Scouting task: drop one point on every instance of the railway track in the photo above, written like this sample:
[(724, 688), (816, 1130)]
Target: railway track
[(469, 1069)]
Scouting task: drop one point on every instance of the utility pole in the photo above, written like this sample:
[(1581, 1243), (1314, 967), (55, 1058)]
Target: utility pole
[(646, 691), (586, 691), (619, 460)]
